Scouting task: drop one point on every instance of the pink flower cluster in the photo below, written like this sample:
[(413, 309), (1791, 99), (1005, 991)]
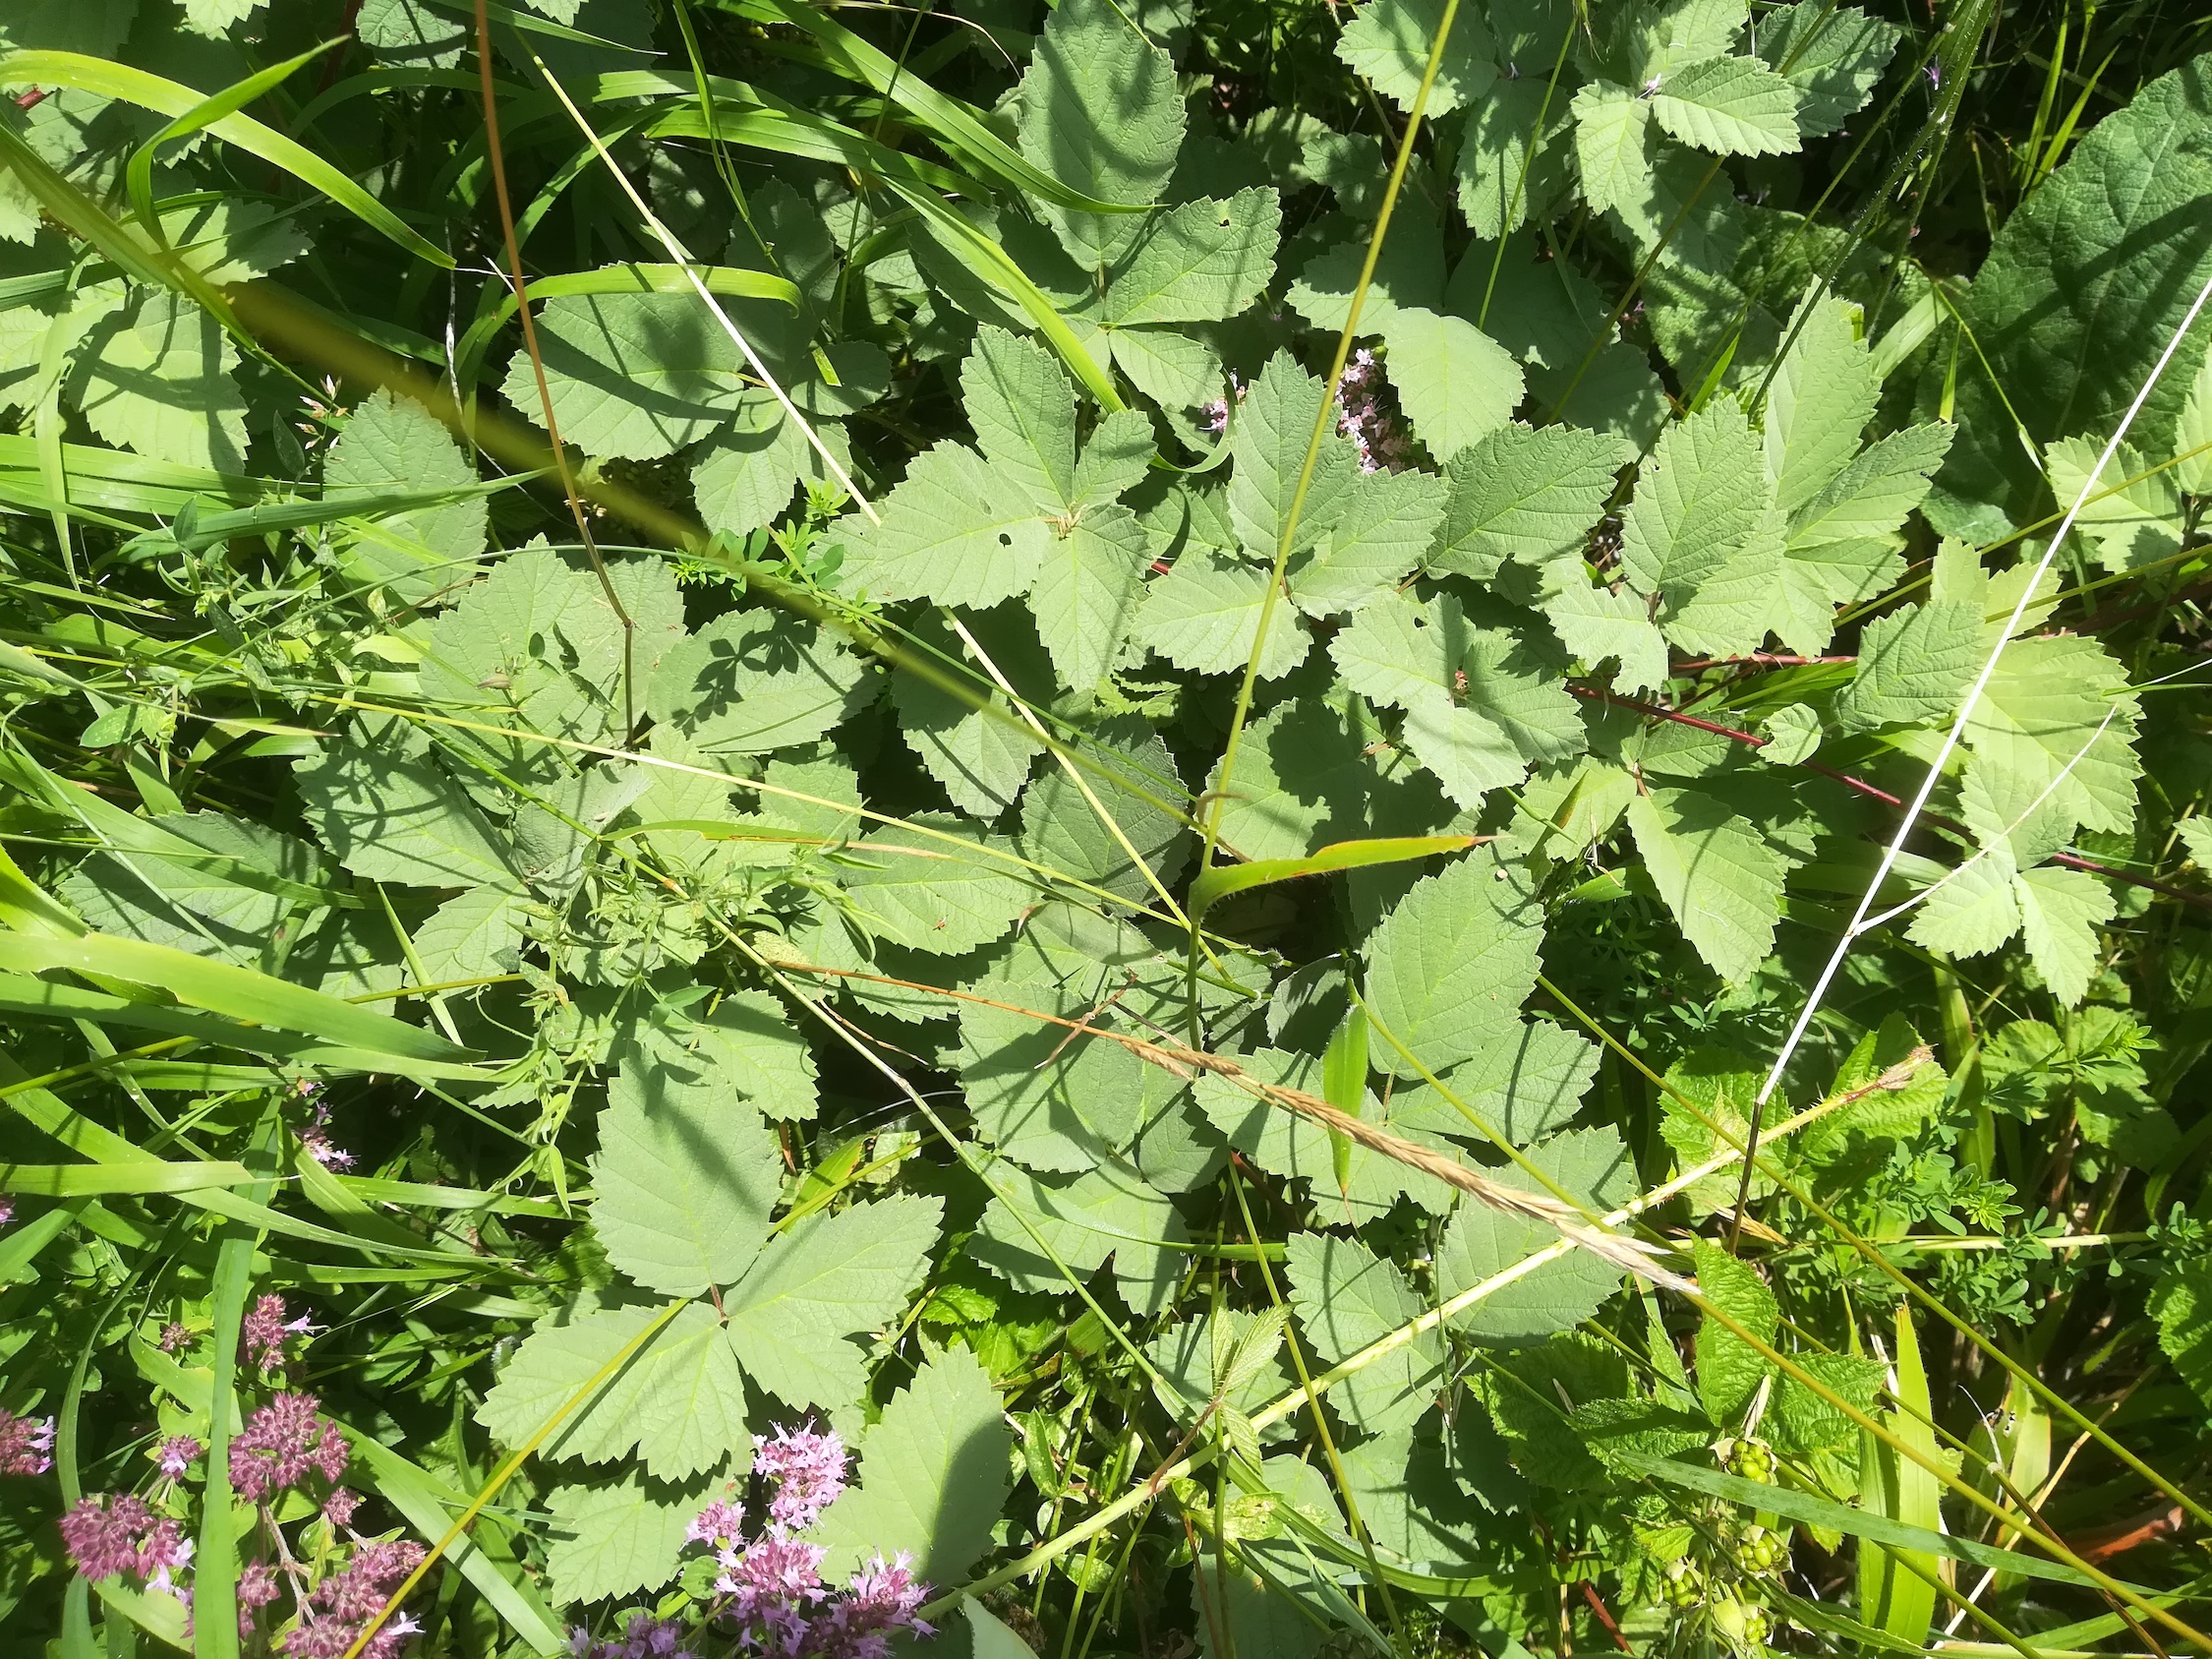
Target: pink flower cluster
[(27, 1445), (348, 1599), (176, 1454), (112, 1534), (771, 1590), (265, 1331), (1381, 441), (808, 1471), (282, 1442), (647, 1638)]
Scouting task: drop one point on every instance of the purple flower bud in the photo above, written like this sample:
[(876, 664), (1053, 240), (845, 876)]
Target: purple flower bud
[(176, 1454), (27, 1445)]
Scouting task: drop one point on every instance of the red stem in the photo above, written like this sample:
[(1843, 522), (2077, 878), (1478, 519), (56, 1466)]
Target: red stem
[(2070, 861)]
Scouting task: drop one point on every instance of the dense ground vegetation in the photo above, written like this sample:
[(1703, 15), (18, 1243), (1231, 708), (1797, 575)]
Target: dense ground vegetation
[(1146, 827)]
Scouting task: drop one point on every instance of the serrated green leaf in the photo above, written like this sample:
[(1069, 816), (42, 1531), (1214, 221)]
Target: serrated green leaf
[(678, 1404), (1088, 592), (1500, 182), (1730, 1369), (471, 936), (952, 532), (1204, 614), (1716, 872), (747, 474), (1734, 106), (1818, 402), (1613, 146), (638, 375), (826, 1280), (932, 1475), (1453, 381), (2061, 910), (1698, 502), (1452, 963), (1595, 1168), (1313, 773), (1348, 1297), (1272, 432), (616, 1539), (1598, 623), (1531, 495), (1101, 114), (686, 1178), (2043, 717), (930, 894), (1384, 525), (1109, 1209), (1914, 665), (392, 818), (1388, 41), (1061, 829), (755, 681), (1832, 54), (2131, 524), (2182, 1305), (1201, 261), (160, 378), (393, 443)]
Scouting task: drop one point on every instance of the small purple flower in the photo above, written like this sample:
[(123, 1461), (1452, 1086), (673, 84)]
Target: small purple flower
[(7, 1211), (176, 1454), (27, 1445), (315, 1141), (772, 1588), (102, 1532), (338, 1508), (645, 1637), (885, 1597), (282, 1443), (257, 1587), (174, 1338), (808, 1469), (720, 1523)]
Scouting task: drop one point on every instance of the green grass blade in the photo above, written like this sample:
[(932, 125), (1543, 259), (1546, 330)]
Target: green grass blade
[(167, 97)]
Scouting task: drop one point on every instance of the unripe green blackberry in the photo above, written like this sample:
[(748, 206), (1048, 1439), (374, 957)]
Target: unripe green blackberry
[(1753, 1459), (1683, 1585), (1759, 1551)]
